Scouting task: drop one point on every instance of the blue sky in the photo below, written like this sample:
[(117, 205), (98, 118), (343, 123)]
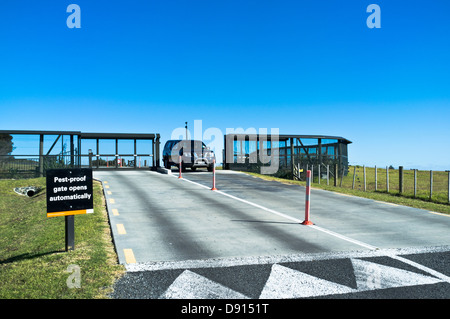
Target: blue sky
[(304, 67)]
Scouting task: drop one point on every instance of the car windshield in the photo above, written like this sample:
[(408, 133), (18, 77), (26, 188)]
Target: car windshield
[(192, 144)]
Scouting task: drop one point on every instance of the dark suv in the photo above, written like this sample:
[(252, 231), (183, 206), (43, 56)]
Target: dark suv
[(193, 154)]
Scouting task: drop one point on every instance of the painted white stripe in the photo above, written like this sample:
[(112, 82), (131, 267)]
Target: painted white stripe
[(357, 242), (354, 241), (289, 217), (422, 267), (278, 259)]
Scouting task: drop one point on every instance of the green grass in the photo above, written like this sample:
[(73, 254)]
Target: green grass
[(438, 204), (440, 182), (33, 261)]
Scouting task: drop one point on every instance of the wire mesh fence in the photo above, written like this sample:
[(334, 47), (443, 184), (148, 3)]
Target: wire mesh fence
[(422, 184)]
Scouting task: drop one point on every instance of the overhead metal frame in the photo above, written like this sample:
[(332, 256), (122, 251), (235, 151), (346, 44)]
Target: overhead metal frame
[(293, 144), (75, 159)]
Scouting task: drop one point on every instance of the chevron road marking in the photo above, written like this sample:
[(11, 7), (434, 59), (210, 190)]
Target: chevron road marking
[(284, 283), (190, 285)]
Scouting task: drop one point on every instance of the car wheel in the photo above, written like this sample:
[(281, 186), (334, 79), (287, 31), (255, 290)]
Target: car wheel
[(193, 168), (210, 168)]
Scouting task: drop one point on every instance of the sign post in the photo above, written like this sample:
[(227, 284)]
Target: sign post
[(69, 193)]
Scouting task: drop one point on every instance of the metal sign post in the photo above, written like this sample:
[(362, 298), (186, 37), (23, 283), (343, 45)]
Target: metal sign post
[(70, 232), (69, 193)]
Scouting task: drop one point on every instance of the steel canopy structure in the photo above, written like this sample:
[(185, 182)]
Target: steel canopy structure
[(251, 152), (30, 153)]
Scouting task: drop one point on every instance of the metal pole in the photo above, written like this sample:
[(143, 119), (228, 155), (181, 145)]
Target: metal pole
[(179, 176), (70, 232), (90, 158), (307, 199)]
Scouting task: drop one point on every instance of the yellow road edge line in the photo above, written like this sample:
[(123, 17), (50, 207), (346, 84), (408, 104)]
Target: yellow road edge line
[(121, 229), (386, 203), (108, 192), (129, 256), (442, 214), (115, 212), (112, 201)]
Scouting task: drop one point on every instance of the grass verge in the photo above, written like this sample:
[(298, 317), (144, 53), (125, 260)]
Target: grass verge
[(33, 261), (394, 198)]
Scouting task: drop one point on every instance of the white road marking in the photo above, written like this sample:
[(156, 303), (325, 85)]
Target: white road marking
[(354, 241), (284, 282), (422, 267), (190, 285), (357, 242), (371, 276)]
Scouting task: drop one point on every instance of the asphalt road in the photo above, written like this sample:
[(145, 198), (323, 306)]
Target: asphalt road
[(180, 239)]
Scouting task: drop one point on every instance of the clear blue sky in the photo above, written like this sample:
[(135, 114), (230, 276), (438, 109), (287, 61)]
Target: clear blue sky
[(304, 67)]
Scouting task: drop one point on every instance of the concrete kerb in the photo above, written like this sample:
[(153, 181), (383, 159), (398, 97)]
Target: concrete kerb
[(163, 170)]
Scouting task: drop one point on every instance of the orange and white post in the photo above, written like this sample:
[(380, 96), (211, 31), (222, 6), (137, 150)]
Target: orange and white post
[(214, 176), (179, 176), (307, 199)]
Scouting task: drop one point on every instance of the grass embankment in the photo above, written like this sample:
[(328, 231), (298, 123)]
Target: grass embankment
[(439, 202), (33, 261)]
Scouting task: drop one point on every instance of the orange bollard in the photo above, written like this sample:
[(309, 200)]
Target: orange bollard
[(179, 176), (214, 176), (308, 195)]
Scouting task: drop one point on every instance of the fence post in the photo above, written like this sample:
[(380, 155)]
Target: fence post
[(387, 179), (400, 179), (448, 188), (335, 174), (318, 169), (415, 183), (364, 169), (354, 177), (431, 184), (376, 179), (328, 177)]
